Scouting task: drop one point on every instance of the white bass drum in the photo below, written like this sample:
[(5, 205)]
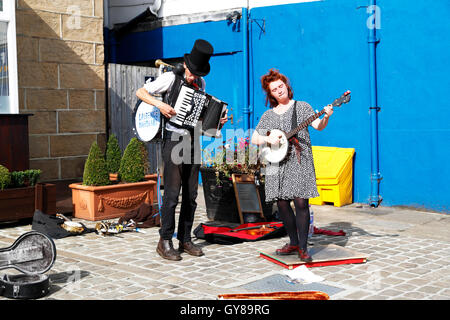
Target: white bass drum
[(147, 122)]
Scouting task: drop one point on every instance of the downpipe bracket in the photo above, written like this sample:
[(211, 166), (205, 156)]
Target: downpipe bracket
[(376, 177), (375, 197), (373, 40), (375, 201)]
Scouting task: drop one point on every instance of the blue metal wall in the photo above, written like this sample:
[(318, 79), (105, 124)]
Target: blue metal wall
[(413, 67), (225, 78), (322, 47)]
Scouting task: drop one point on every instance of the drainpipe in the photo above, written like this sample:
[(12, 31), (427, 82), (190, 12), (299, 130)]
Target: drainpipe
[(251, 99), (245, 46), (375, 176)]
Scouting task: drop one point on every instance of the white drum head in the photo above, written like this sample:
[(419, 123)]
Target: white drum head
[(147, 120)]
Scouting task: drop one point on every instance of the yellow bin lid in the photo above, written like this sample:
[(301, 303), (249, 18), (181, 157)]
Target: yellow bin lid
[(330, 163)]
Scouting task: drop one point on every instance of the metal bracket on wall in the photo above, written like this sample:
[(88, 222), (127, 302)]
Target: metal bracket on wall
[(376, 176), (376, 108), (375, 201), (263, 27)]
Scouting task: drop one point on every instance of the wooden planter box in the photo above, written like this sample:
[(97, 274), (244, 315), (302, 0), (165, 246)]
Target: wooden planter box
[(110, 202), (20, 203)]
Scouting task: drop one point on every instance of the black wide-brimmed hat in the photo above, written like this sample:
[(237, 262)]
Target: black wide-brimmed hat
[(198, 60)]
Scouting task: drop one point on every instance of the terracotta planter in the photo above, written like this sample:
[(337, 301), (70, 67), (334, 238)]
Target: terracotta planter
[(20, 203), (153, 177), (109, 202)]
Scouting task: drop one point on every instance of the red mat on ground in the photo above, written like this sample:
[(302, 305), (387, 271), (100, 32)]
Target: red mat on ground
[(328, 232), (323, 255)]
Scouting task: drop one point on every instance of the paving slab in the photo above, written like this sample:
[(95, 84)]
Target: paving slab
[(408, 250)]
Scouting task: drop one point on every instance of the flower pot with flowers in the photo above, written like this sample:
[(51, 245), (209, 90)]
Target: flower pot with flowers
[(97, 198), (218, 165)]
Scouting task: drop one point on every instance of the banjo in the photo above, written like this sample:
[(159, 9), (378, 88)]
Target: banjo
[(276, 153)]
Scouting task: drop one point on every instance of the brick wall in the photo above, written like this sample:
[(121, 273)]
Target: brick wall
[(61, 81)]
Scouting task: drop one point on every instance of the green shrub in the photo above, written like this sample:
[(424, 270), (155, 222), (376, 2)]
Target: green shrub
[(24, 178), (144, 152), (5, 177), (32, 176), (113, 154), (17, 179), (132, 163), (95, 169)]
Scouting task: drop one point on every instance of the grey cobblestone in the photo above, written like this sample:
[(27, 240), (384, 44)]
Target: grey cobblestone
[(402, 264)]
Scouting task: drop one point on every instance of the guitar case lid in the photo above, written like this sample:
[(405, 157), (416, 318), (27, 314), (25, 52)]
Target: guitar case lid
[(33, 254)]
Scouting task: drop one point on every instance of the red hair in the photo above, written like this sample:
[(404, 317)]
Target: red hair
[(272, 76)]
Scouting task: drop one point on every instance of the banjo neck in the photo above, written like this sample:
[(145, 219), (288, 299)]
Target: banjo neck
[(344, 98), (304, 124), (279, 153)]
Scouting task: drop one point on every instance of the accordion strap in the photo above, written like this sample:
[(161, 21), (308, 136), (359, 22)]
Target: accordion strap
[(171, 95)]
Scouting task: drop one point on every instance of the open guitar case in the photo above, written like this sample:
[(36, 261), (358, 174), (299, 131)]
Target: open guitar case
[(232, 233), (33, 254)]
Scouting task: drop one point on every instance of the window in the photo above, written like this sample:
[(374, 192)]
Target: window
[(9, 102)]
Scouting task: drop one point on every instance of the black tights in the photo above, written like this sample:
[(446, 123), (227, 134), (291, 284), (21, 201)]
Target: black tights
[(297, 225)]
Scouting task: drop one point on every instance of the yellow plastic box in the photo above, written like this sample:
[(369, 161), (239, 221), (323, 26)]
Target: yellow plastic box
[(334, 175)]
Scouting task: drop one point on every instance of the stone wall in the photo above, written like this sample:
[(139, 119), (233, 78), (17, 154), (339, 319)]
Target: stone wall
[(61, 82)]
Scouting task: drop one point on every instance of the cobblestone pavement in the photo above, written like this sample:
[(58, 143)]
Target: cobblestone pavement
[(409, 258)]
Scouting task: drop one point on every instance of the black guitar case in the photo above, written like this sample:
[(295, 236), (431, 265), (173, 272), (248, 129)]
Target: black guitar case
[(33, 254)]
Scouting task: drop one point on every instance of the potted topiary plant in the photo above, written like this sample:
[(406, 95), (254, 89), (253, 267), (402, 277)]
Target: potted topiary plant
[(132, 163), (97, 199), (113, 156), (95, 169), (21, 195)]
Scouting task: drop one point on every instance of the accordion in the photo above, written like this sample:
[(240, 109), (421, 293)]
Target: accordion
[(193, 105)]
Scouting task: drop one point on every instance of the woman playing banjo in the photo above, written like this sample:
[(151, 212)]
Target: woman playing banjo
[(294, 177)]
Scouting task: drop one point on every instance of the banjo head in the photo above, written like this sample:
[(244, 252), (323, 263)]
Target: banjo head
[(274, 154), (146, 121)]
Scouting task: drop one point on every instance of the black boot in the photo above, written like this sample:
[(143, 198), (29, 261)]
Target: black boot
[(190, 248), (166, 250)]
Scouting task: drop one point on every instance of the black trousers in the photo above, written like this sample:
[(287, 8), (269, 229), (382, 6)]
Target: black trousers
[(180, 174)]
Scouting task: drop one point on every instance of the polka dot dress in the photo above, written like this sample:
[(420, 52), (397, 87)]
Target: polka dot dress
[(289, 178)]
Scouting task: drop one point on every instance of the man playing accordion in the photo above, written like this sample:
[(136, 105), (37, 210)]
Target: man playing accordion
[(179, 176)]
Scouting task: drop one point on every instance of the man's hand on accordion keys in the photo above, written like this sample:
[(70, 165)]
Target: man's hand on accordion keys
[(167, 110)]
